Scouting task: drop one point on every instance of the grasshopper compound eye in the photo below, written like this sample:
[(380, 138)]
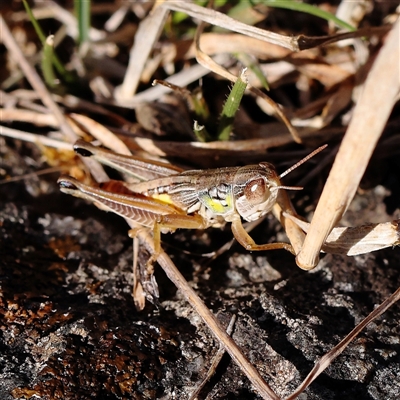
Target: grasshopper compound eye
[(256, 191)]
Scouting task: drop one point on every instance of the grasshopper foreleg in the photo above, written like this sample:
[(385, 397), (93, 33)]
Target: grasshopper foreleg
[(248, 243)]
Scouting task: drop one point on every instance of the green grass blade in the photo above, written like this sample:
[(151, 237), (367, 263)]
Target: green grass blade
[(253, 65), (201, 132), (82, 12), (55, 60), (231, 106), (47, 63), (34, 22)]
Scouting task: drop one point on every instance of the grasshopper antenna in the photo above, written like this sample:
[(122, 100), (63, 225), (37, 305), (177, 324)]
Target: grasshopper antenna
[(303, 161)]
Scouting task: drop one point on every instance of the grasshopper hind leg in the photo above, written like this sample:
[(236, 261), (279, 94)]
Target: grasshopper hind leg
[(133, 233)]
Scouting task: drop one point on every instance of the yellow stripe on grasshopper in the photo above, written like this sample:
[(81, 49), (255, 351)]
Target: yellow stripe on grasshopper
[(164, 197)]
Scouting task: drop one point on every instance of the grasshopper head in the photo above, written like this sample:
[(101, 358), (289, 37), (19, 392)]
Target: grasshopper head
[(255, 190)]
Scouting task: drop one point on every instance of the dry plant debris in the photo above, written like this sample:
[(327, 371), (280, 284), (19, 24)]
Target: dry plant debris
[(69, 328)]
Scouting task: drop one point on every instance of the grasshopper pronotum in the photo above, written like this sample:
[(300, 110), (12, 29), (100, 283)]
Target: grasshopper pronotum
[(167, 198)]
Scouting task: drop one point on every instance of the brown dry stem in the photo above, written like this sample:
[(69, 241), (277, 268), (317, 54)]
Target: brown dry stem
[(379, 93)]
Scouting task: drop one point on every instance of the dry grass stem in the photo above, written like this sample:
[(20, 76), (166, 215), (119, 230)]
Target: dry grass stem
[(34, 138), (216, 18), (379, 93), (147, 34), (357, 240)]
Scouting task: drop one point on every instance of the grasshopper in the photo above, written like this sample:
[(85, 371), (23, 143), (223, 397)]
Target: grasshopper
[(165, 198)]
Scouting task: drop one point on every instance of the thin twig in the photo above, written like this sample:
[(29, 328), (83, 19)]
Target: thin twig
[(31, 175), (216, 360), (182, 78), (327, 359), (33, 138)]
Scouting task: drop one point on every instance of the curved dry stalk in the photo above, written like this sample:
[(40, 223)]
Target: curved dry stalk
[(281, 210), (209, 63), (379, 93)]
